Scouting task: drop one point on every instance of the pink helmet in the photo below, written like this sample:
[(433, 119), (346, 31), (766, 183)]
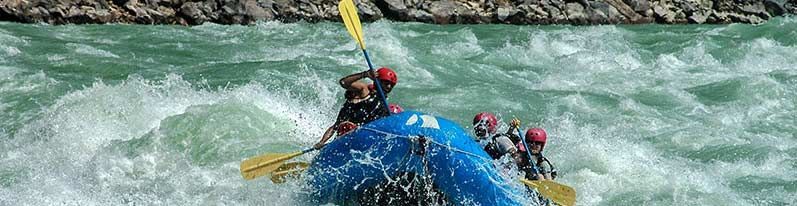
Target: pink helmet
[(395, 108), (537, 135), (486, 118)]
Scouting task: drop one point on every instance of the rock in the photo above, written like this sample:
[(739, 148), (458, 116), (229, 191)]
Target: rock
[(752, 19), (638, 6), (34, 14), (310, 10), (102, 16), (119, 2), (368, 11), (504, 12), (755, 8), (393, 9), (536, 15), (775, 7), (485, 16), (575, 13), (396, 5), (538, 10), (697, 18), (605, 13), (286, 10), (718, 18), (74, 11), (664, 15), (557, 16), (442, 11), (689, 7), (195, 12), (626, 10), (256, 11), (421, 16)]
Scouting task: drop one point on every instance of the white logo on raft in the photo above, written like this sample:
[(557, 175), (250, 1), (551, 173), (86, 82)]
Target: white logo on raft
[(428, 121)]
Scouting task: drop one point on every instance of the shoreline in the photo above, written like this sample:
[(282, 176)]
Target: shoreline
[(521, 12)]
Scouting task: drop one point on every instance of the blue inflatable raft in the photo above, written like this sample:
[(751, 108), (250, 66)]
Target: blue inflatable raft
[(408, 144)]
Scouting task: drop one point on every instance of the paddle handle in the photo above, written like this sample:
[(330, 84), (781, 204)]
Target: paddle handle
[(528, 152), (377, 83)]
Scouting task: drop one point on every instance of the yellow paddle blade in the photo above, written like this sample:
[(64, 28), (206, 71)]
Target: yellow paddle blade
[(558, 193), (352, 21), (293, 169), (264, 164)]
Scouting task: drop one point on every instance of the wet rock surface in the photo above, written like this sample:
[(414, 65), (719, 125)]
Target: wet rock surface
[(194, 12)]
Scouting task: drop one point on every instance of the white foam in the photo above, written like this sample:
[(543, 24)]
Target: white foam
[(766, 55), (72, 141), (11, 51), (465, 48), (89, 50), (391, 52)]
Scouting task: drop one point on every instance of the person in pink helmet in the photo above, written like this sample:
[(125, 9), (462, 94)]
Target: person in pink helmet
[(363, 103), (536, 139), (495, 144)]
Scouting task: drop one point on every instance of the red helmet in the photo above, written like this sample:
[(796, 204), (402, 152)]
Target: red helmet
[(537, 135), (395, 108), (346, 127), (486, 118), (388, 75)]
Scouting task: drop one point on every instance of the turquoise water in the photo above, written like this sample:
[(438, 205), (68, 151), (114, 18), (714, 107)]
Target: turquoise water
[(163, 115)]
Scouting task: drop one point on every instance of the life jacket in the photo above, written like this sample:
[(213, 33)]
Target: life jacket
[(363, 111), (498, 148), (524, 165), (553, 169)]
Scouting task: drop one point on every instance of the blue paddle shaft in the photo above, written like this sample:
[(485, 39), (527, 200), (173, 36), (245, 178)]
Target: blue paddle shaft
[(528, 151), (377, 83)]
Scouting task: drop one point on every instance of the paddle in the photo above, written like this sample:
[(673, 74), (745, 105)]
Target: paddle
[(292, 169), (352, 21), (558, 193), (264, 164)]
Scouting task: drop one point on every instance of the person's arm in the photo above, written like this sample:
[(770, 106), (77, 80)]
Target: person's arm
[(514, 124), (352, 83), (330, 131)]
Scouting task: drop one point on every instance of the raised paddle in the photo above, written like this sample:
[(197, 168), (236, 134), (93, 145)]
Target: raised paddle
[(352, 21), (265, 164)]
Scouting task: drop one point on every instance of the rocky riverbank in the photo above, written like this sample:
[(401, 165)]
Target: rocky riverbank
[(193, 12)]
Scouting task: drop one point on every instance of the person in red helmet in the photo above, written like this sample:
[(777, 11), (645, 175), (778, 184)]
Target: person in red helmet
[(536, 139), (496, 145), (363, 102)]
